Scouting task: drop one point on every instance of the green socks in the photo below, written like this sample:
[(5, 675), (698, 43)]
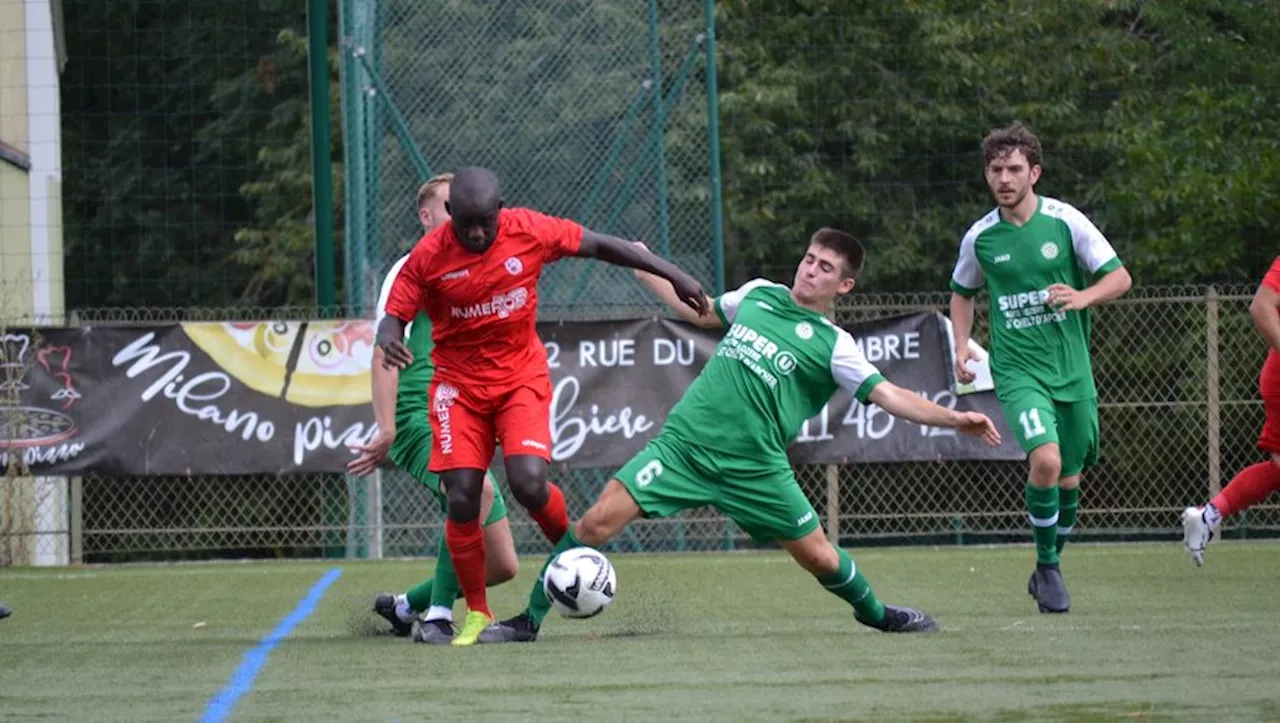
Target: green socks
[(1042, 506), (539, 603), (848, 584), (441, 589), (1068, 506)]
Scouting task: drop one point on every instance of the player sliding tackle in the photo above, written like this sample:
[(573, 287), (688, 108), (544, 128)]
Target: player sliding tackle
[(476, 277), (725, 443)]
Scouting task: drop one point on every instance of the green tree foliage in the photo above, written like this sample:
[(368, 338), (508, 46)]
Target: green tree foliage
[(185, 140), (186, 136), (1158, 120), (277, 250)]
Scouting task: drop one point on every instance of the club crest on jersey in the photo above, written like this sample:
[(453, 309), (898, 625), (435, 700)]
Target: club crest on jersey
[(1049, 250), (804, 330), (785, 363), (513, 266)]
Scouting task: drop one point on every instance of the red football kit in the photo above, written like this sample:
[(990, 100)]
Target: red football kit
[(491, 377), (1255, 483), (1269, 380)]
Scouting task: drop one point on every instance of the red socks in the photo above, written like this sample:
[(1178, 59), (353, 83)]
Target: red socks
[(466, 547), (553, 518), (1248, 488)]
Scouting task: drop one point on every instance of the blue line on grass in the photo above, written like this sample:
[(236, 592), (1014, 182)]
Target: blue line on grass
[(220, 705)]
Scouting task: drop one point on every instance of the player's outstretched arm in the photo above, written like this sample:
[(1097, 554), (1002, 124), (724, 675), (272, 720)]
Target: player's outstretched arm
[(618, 252), (907, 404), (665, 291), (1265, 319)]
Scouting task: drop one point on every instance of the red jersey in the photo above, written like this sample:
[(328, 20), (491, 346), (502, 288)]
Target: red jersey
[(1271, 369), (483, 307)]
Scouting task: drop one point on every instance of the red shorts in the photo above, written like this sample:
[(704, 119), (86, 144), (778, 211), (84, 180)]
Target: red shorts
[(466, 426)]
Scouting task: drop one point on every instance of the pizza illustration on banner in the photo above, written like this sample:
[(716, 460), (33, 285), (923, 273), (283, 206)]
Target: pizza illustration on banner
[(38, 391), (313, 364)]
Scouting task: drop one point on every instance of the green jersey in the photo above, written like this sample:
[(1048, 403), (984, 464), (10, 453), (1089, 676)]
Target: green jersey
[(1033, 345), (411, 394), (777, 365)]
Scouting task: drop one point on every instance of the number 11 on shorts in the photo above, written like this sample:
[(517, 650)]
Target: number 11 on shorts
[(1031, 425)]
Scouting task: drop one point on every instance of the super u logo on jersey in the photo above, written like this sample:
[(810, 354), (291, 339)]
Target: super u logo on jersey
[(785, 363)]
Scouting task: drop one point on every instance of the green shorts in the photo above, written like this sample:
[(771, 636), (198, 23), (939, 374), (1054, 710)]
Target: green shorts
[(411, 452), (1073, 426), (765, 500)]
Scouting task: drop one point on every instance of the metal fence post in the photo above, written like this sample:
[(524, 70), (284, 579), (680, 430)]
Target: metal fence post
[(75, 521), (833, 504), (1213, 392)]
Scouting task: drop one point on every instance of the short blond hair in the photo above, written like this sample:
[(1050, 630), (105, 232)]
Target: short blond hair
[(432, 186)]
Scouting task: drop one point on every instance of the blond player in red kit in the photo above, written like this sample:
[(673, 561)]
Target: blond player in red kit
[(477, 277), (1252, 484)]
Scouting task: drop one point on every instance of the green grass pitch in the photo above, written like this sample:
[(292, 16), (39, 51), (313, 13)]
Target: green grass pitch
[(733, 637)]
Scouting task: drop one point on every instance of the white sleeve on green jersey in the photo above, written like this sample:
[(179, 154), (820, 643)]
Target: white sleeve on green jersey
[(385, 293), (850, 368), (727, 304), (967, 275), (1093, 250)]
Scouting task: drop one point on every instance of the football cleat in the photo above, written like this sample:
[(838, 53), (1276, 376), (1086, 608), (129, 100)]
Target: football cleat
[(435, 632), (520, 629), (1049, 589), (385, 605), (898, 619), (472, 626), (1196, 533)]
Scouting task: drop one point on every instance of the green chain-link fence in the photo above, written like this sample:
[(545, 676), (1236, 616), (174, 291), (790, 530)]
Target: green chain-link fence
[(1176, 370), (596, 112)]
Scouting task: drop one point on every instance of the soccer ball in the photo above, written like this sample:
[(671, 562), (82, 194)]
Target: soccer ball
[(580, 582)]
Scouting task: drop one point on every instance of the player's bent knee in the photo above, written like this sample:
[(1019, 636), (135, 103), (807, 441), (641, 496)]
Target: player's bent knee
[(501, 569), (614, 510), (527, 477), (1046, 465), (463, 493), (593, 530)]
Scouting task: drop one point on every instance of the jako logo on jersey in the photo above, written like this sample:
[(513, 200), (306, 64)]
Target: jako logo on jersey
[(532, 443), (1026, 298), (513, 266), (445, 396), (764, 306), (804, 330), (1002, 258), (455, 275), (1049, 250), (501, 305), (807, 516)]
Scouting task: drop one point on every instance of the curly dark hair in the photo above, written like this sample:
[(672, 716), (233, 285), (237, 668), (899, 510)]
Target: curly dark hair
[(1003, 141)]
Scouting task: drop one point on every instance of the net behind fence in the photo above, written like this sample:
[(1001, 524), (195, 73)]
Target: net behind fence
[(1173, 426), (585, 111)]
